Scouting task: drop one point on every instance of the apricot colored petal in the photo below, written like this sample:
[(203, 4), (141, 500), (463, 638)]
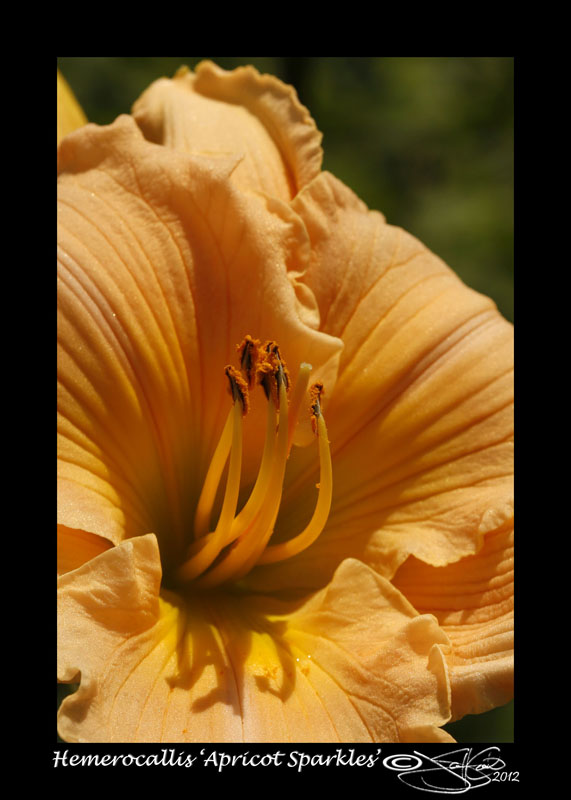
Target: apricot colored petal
[(473, 602), (421, 419), (75, 547), (361, 636), (103, 605), (238, 668), (164, 266), (242, 113), (69, 113)]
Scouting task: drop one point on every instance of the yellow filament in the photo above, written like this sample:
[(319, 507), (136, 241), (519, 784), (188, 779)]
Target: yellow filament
[(239, 559), (210, 487), (210, 546), (278, 552), (258, 494), (252, 507), (241, 522)]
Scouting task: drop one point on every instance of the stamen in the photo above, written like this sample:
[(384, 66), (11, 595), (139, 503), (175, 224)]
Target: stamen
[(246, 550), (208, 495), (279, 552), (208, 547), (239, 542), (257, 496)]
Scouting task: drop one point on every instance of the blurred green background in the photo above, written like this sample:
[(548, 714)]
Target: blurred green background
[(427, 141)]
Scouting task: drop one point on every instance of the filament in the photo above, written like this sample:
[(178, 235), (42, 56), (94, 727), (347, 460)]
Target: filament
[(240, 540), (240, 558), (278, 552), (209, 547), (212, 480)]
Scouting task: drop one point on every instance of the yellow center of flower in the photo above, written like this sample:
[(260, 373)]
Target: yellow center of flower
[(240, 540)]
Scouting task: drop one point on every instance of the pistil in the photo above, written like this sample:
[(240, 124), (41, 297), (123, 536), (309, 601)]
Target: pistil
[(278, 552)]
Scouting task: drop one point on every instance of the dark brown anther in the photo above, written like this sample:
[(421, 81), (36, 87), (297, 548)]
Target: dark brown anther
[(264, 375), (315, 393), (248, 354), (280, 370), (238, 388)]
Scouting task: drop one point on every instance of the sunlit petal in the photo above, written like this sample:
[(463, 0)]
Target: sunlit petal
[(159, 280), (421, 419), (473, 602), (241, 113), (239, 668)]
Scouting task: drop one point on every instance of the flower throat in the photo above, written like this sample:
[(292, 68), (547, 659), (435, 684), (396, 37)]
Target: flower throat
[(240, 541)]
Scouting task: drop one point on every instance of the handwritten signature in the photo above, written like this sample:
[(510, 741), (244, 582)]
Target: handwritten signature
[(454, 772)]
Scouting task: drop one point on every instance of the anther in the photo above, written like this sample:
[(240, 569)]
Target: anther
[(264, 374), (271, 372), (273, 351), (238, 388), (248, 355), (315, 393)]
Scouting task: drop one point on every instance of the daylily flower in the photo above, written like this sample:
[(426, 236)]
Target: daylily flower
[(285, 441)]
